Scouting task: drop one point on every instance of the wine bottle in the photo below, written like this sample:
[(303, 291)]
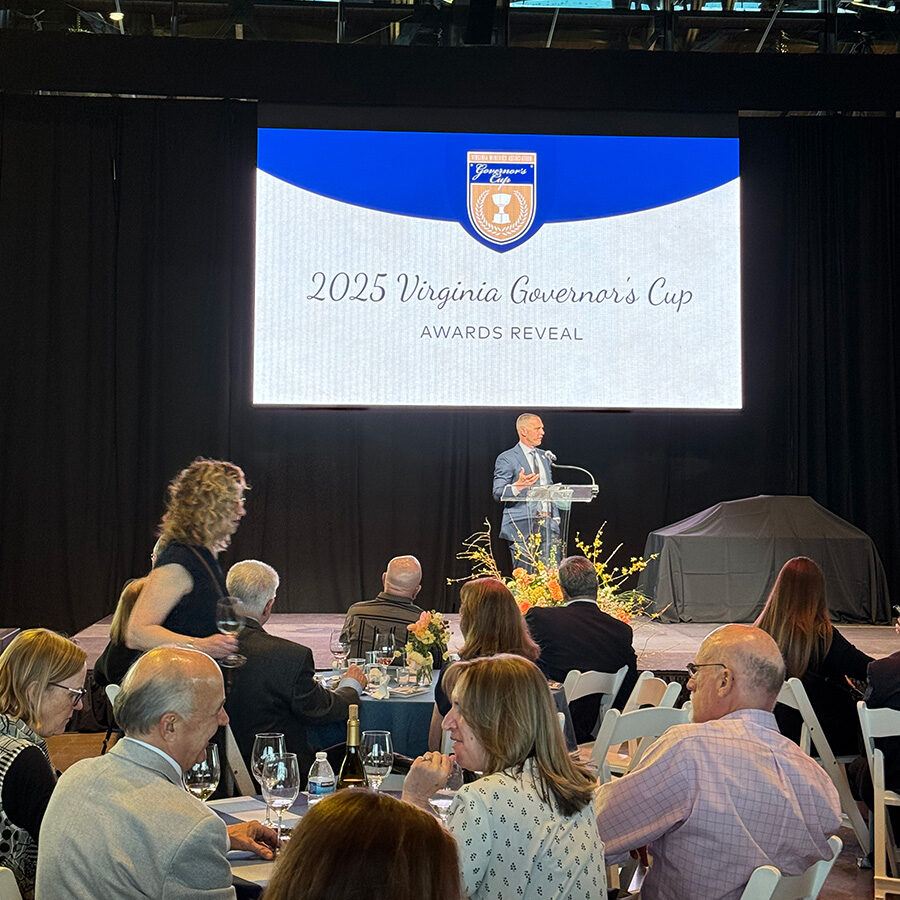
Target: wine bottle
[(352, 773)]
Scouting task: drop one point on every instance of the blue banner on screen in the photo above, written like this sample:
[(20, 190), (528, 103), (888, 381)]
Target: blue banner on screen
[(485, 270)]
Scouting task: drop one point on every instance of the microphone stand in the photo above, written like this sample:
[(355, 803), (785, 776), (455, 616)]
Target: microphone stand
[(594, 487)]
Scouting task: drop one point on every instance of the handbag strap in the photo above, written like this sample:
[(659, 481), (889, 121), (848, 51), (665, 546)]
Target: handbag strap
[(215, 580)]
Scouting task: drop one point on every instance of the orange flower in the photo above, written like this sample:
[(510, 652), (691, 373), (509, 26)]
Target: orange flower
[(524, 606), (556, 591), (518, 573)]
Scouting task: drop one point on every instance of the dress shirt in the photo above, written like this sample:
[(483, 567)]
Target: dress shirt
[(161, 753), (715, 800)]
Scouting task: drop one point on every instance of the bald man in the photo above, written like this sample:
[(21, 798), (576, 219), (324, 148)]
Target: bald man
[(715, 799), (122, 825), (391, 611)]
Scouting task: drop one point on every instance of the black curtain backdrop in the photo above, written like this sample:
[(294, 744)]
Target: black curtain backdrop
[(126, 247)]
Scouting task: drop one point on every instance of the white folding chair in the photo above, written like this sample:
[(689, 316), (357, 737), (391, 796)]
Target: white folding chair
[(877, 723), (236, 765), (9, 889), (112, 691), (644, 725), (767, 883), (793, 694), (647, 691), (586, 684)]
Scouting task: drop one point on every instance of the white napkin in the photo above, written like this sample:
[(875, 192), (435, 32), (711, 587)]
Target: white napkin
[(381, 691)]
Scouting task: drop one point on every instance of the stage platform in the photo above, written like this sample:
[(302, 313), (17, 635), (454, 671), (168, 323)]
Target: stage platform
[(660, 646)]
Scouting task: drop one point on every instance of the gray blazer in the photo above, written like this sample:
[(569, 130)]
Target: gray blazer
[(121, 826)]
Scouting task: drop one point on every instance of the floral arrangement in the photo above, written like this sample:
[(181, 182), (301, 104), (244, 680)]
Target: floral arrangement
[(540, 587), (429, 633)]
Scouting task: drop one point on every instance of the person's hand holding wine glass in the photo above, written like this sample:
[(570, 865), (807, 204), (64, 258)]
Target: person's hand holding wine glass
[(230, 620)]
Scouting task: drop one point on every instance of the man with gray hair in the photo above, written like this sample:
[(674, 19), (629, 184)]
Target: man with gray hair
[(122, 825), (390, 612), (275, 691), (717, 798), (522, 467), (581, 636)]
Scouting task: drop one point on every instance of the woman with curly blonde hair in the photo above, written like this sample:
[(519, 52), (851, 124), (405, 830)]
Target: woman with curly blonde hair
[(177, 603)]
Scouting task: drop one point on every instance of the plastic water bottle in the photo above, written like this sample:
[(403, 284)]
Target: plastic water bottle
[(321, 779)]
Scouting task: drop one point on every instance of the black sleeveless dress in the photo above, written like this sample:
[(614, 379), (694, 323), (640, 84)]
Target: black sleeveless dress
[(195, 614)]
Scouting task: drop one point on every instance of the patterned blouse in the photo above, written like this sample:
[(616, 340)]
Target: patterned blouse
[(17, 849), (512, 844)]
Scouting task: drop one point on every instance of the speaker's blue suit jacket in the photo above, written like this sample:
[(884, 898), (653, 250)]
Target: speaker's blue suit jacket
[(506, 470)]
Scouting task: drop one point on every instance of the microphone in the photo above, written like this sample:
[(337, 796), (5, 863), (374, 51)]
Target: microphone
[(550, 456)]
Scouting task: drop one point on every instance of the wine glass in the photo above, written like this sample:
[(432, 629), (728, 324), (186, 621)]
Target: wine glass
[(281, 784), (265, 747), (377, 751), (230, 620), (384, 646), (202, 778), (340, 649)]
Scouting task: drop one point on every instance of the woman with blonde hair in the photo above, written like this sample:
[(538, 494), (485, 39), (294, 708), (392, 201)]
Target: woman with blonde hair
[(796, 616), (491, 623), (41, 685), (177, 603), (359, 844), (529, 820)]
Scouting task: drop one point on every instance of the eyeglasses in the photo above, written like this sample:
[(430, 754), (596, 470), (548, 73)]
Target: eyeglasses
[(693, 667), (77, 693)]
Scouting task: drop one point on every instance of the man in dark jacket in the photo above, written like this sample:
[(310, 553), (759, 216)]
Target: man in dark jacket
[(274, 691), (580, 636)]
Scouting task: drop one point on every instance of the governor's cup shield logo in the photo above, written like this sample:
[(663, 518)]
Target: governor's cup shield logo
[(502, 194)]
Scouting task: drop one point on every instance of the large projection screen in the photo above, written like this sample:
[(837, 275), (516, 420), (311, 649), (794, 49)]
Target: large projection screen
[(439, 269)]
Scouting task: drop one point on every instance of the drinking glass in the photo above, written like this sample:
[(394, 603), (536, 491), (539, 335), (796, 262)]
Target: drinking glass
[(202, 778), (265, 747), (384, 645), (377, 751), (339, 649), (281, 784), (230, 620)]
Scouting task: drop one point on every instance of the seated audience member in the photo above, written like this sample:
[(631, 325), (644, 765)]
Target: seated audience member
[(41, 685), (491, 623), (275, 689), (528, 822), (883, 692), (122, 825), (177, 604), (815, 652), (391, 611), (117, 657), (714, 799), (581, 636), (358, 843)]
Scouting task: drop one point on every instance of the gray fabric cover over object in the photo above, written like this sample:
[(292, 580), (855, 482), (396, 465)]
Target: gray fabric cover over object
[(720, 564)]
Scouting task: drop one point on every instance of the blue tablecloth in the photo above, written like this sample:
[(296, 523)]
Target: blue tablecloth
[(406, 718)]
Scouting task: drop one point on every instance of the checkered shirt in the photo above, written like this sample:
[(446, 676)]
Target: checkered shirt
[(715, 800)]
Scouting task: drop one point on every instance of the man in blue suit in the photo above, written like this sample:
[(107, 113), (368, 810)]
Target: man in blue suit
[(524, 466)]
